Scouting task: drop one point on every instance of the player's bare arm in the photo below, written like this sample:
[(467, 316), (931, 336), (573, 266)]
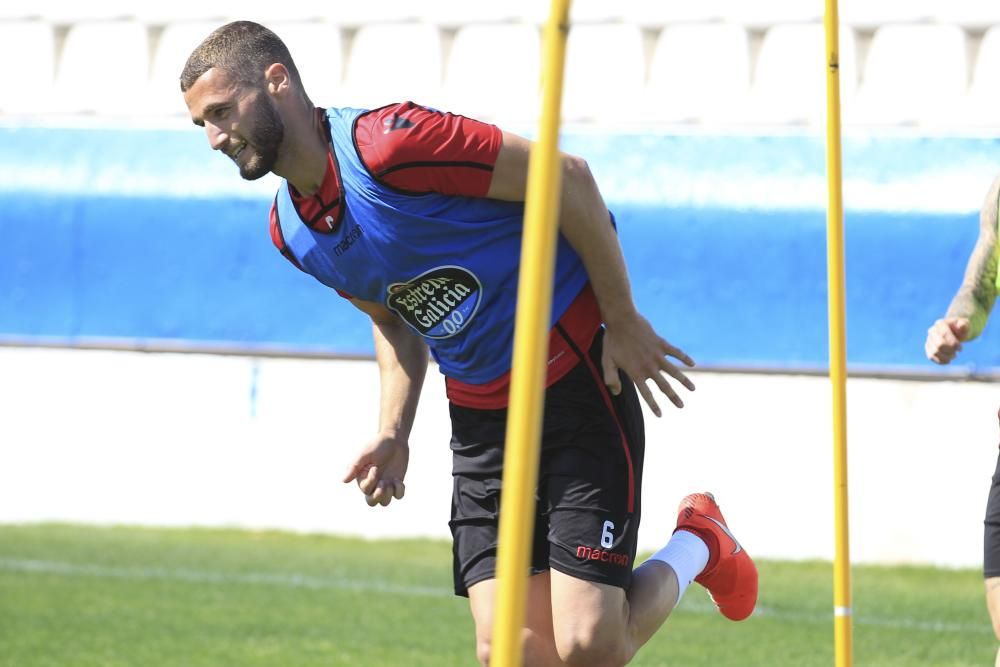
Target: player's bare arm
[(380, 467), (971, 306), (630, 344), (975, 297)]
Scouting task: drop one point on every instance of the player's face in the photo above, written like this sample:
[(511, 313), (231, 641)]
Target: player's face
[(240, 121), (263, 132)]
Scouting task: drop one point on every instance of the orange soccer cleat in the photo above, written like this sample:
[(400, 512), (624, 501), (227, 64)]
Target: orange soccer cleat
[(730, 576)]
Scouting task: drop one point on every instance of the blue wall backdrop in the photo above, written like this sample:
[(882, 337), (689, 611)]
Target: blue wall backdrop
[(146, 237)]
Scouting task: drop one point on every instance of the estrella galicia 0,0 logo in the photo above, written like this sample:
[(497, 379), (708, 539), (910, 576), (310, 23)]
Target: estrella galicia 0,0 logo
[(438, 303)]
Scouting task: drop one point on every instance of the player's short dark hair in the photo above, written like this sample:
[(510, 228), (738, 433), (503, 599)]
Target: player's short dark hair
[(244, 49)]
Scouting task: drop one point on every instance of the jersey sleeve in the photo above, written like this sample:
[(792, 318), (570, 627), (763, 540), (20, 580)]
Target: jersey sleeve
[(418, 150)]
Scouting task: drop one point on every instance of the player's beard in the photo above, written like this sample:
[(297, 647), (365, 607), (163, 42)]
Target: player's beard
[(264, 142)]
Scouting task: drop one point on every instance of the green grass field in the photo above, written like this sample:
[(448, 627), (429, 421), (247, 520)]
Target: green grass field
[(81, 596)]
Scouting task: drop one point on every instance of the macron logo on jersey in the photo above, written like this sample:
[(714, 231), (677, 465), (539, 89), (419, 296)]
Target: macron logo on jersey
[(395, 122)]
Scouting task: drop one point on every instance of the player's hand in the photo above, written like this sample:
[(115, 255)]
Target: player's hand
[(379, 470), (634, 347), (944, 339)]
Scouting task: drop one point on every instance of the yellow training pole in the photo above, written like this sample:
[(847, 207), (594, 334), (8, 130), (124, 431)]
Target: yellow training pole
[(527, 389), (838, 354)]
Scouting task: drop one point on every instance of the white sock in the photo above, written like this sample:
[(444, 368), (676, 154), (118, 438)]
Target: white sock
[(687, 554)]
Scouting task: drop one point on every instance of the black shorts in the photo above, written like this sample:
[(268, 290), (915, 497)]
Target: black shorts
[(589, 481), (991, 534)]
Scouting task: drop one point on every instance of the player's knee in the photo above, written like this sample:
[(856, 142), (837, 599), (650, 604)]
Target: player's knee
[(993, 603), (595, 644), (585, 654), (483, 651), (533, 648)]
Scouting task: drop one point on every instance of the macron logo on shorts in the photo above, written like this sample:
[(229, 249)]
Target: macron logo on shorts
[(613, 557)]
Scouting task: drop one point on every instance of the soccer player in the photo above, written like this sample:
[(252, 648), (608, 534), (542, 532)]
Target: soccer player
[(415, 216), (964, 321)]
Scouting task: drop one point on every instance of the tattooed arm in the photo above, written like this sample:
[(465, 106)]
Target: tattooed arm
[(970, 308)]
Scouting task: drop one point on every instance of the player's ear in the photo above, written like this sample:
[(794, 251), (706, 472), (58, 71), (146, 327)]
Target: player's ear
[(277, 78)]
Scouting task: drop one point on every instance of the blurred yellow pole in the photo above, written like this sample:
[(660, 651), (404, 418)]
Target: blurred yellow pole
[(531, 337), (838, 354)]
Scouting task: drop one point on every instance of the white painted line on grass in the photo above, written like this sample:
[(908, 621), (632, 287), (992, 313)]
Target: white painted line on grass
[(293, 580), (288, 580)]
